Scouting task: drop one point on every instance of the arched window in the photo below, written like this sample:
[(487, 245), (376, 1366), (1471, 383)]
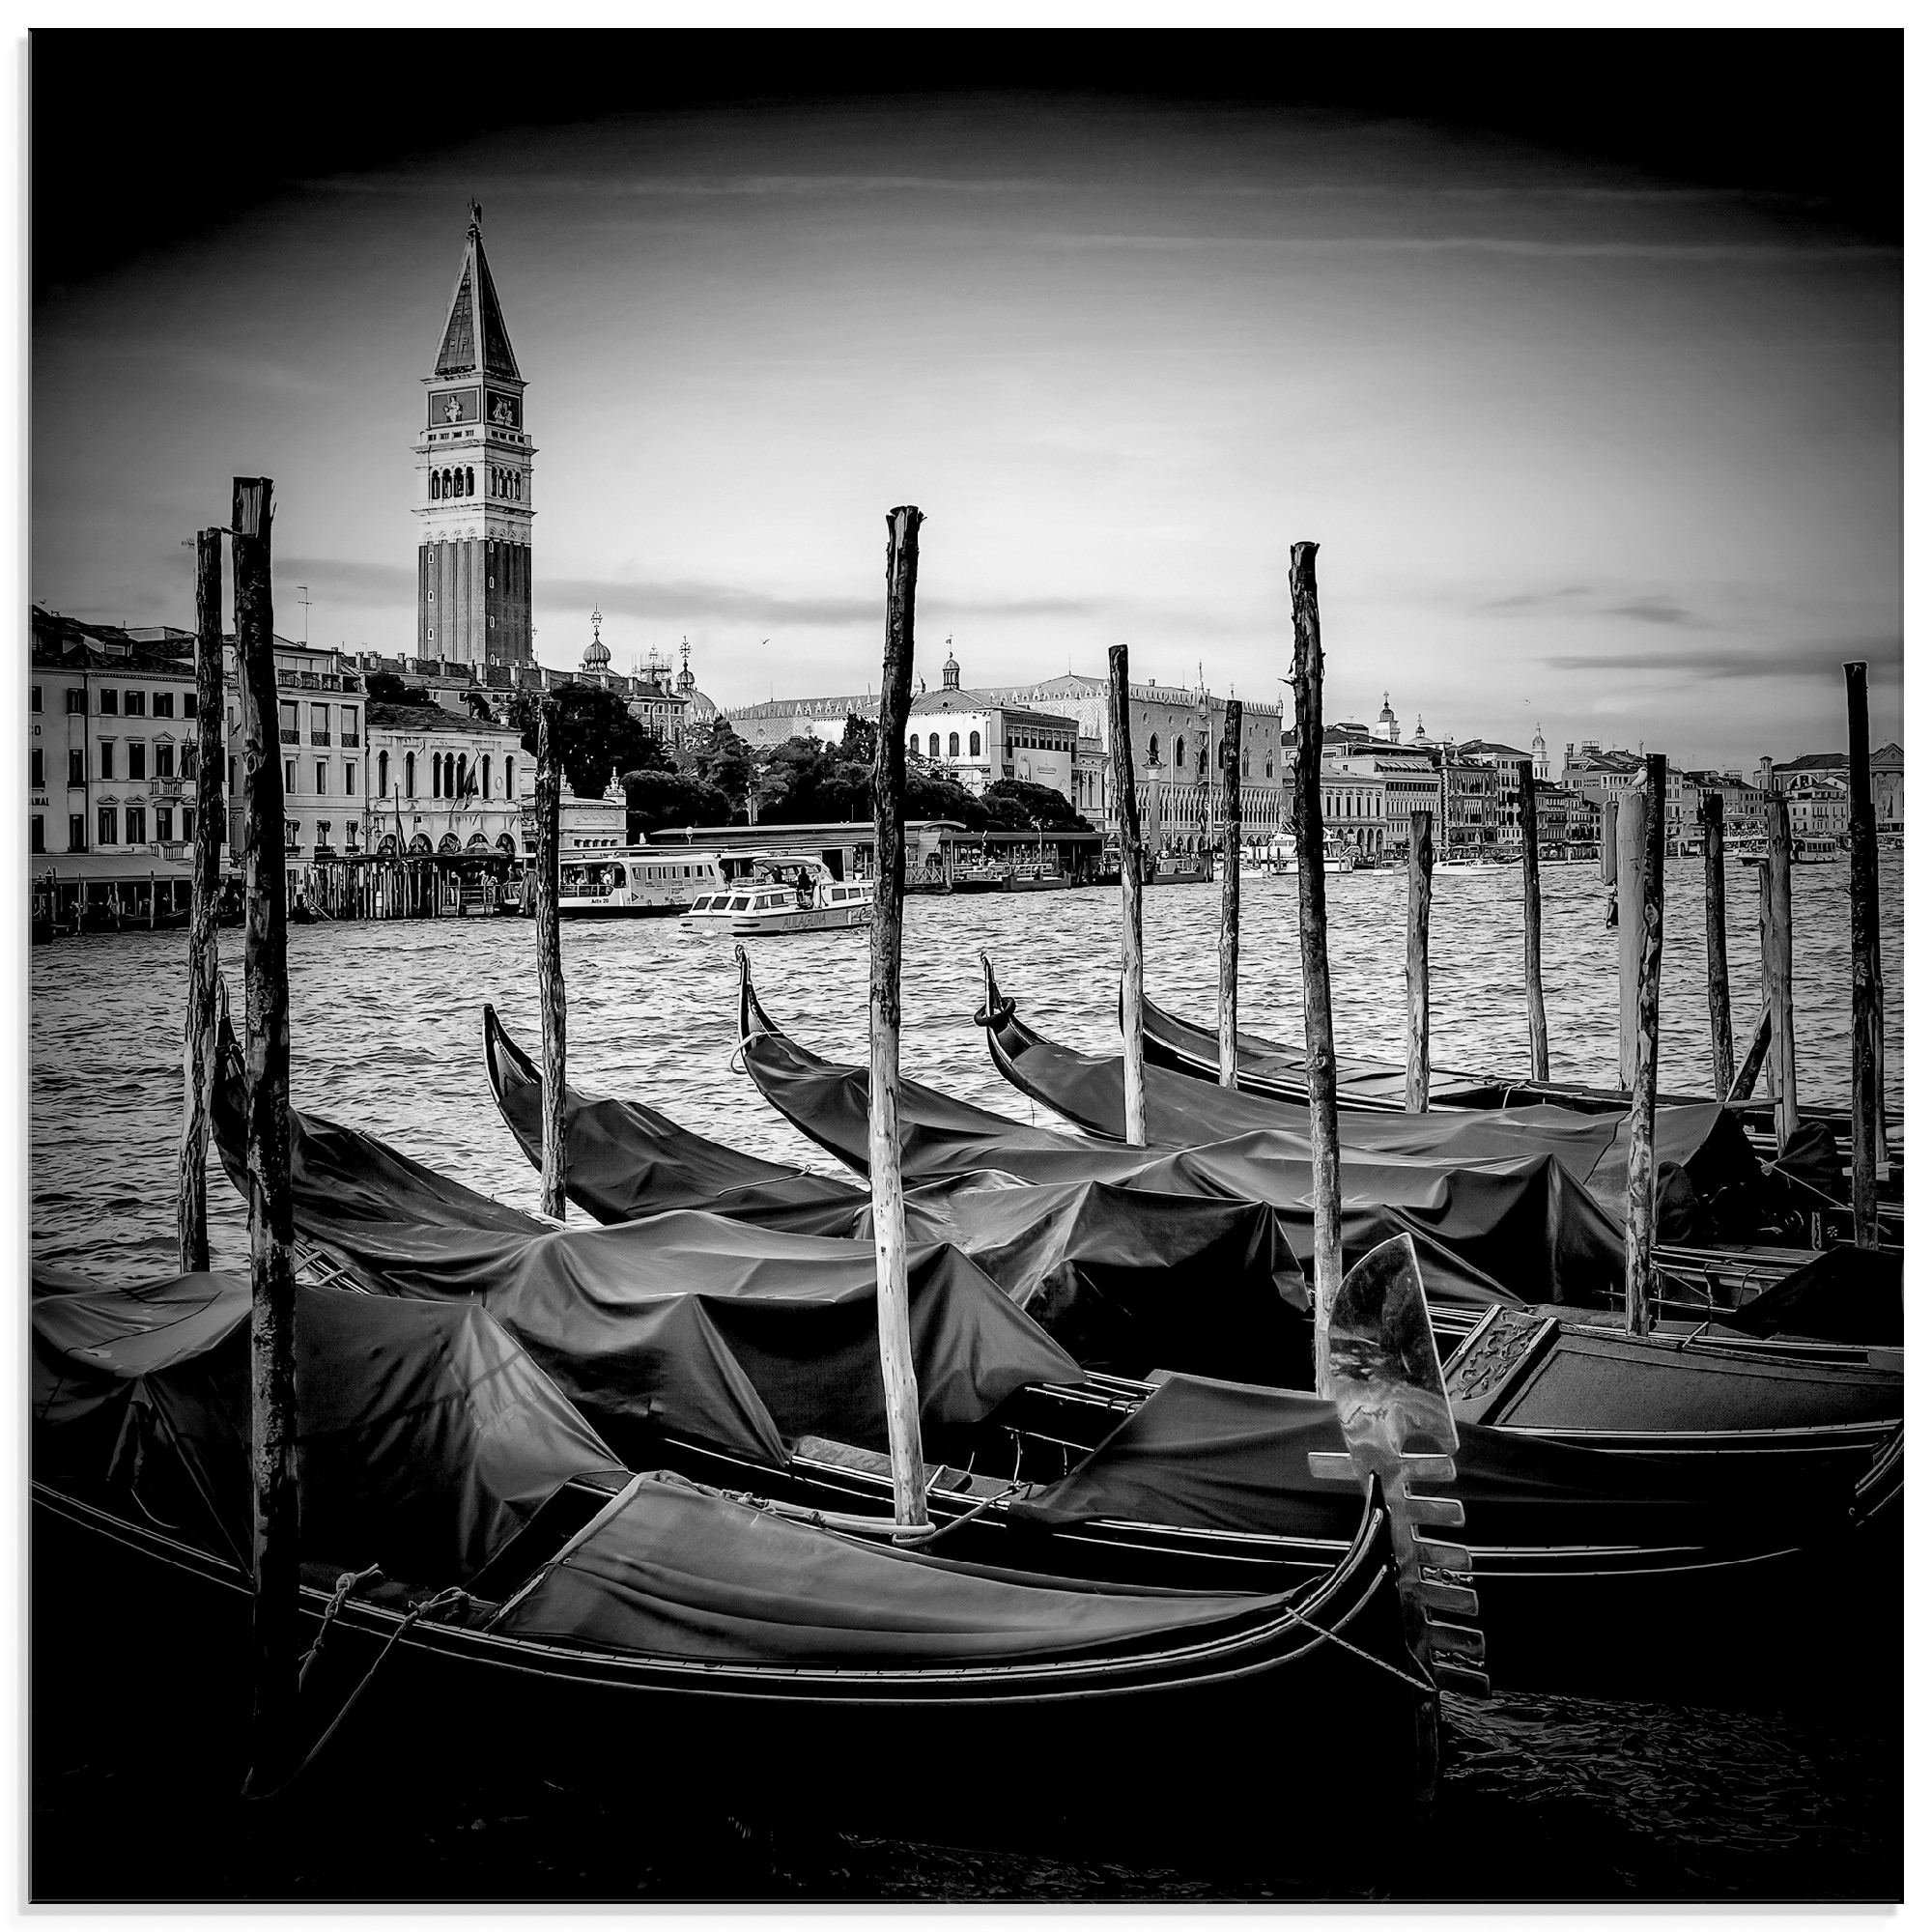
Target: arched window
[(912, 744), (485, 774), (932, 746), (1244, 765), (470, 482), (952, 744), (462, 778), (509, 778), (1154, 747), (1180, 752), (432, 490), (1201, 761), (409, 775), (973, 741), (382, 774)]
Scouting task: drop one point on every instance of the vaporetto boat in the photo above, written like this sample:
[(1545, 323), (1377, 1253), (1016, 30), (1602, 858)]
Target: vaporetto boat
[(635, 882)]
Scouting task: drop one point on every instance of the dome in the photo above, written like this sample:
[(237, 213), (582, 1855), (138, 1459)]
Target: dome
[(596, 653), (1536, 744), (1389, 716), (703, 710)]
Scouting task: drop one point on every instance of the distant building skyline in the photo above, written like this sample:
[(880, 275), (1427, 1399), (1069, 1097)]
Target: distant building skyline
[(1579, 447)]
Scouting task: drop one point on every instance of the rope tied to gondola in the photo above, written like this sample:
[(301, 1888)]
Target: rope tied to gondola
[(430, 1609), (995, 1013), (348, 1583)]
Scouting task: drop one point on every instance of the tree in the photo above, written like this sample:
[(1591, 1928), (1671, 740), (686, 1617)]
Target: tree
[(717, 756), (1013, 804), (596, 735), (656, 799), (385, 687), (860, 743)]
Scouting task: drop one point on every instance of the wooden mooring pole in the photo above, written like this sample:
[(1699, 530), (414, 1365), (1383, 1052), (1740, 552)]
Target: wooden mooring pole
[(1127, 816), (550, 954), (1783, 1043), (1868, 1101), (1231, 889), (1634, 811), (1644, 913), (1421, 869), (1317, 1023), (889, 1235), (1717, 958), (277, 1512), (1606, 848), (204, 965), (1532, 928)]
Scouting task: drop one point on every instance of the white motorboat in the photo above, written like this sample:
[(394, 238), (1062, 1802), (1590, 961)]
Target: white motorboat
[(761, 907)]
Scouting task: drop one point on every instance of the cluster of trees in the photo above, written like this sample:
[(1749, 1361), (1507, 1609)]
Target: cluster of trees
[(710, 780)]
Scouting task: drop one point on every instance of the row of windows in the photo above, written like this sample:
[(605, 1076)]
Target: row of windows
[(110, 821), (952, 744), (507, 484), (118, 703), (289, 769), (289, 716), (135, 763), (445, 483), (452, 775)]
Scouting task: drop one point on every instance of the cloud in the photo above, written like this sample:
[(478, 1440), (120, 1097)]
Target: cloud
[(334, 576), (1532, 600), (1755, 658), (697, 600), (1657, 610)]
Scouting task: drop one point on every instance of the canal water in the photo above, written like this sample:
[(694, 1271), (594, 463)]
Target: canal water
[(1647, 1801)]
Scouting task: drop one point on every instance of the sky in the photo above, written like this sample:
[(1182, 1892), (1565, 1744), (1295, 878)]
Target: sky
[(1582, 447)]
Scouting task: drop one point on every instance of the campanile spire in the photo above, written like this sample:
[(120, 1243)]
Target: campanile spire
[(474, 481)]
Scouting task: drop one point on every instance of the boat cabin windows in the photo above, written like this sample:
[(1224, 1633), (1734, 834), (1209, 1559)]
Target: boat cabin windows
[(740, 902)]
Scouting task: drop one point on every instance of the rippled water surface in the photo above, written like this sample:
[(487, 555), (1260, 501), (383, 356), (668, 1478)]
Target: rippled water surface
[(1649, 1800)]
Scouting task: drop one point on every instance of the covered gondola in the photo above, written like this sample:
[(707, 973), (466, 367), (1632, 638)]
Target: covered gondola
[(1126, 1280), (466, 1534), (1514, 1231), (1709, 1180)]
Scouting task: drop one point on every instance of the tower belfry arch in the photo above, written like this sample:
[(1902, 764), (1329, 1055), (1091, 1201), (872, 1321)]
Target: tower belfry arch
[(474, 481)]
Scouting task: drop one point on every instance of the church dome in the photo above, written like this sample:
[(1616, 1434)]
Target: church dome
[(597, 653), (1389, 716)]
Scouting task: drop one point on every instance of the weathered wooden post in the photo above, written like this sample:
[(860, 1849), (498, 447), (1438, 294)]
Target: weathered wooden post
[(1634, 811), (1126, 815), (1606, 848), (1317, 1024), (889, 1235), (1867, 1102), (198, 1056), (1532, 927), (1716, 963), (1783, 1044), (550, 954), (1230, 888), (1645, 915), (1421, 869), (278, 1509)]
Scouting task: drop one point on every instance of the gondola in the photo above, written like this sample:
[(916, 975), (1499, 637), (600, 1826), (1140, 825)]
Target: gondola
[(466, 1535), (1615, 1518), (1268, 1067), (1710, 1182), (1711, 1389)]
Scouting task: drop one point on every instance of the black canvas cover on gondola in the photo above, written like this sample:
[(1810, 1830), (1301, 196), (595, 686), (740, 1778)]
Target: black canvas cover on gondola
[(1125, 1280), (1227, 1456), (1844, 1295), (426, 1437), (1512, 1231), (677, 1570), (1703, 1139), (722, 1332)]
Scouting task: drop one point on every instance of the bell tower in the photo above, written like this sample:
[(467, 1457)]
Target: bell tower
[(474, 503)]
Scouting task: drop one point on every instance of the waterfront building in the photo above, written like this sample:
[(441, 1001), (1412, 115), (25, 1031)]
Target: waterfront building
[(599, 824), (1506, 761), (1568, 823), (110, 761), (1178, 737), (438, 782), (1820, 805), (1374, 791), (1744, 803), (1887, 779), (1468, 817), (475, 505)]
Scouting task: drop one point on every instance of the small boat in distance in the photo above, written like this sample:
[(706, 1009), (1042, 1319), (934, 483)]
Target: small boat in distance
[(773, 902)]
